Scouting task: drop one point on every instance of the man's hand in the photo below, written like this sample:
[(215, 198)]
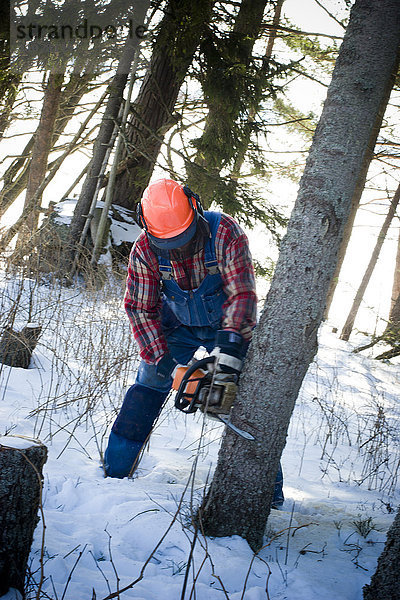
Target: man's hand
[(228, 354), (166, 366)]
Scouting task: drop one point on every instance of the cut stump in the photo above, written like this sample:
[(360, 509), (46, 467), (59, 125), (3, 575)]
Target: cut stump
[(21, 464), (16, 347)]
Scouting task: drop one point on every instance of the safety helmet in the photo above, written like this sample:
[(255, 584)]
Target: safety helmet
[(168, 213)]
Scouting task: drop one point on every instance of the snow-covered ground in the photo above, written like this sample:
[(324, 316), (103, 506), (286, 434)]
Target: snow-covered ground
[(341, 467)]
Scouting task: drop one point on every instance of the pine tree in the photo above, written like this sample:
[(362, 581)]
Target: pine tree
[(178, 36)]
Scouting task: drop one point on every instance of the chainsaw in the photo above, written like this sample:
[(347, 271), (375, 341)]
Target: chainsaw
[(196, 389)]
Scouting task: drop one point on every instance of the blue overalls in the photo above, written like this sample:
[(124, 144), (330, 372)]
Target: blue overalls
[(190, 319)]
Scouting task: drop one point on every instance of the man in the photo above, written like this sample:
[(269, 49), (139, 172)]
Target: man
[(190, 284)]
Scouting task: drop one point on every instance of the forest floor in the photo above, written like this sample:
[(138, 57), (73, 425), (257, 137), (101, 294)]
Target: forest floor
[(341, 469)]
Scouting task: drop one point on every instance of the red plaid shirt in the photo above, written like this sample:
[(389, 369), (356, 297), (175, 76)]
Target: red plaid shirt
[(143, 287)]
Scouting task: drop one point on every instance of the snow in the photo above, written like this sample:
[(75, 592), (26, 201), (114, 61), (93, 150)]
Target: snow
[(121, 231), (341, 467), (17, 442)]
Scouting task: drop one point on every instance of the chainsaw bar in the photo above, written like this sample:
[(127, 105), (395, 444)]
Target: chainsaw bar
[(244, 434)]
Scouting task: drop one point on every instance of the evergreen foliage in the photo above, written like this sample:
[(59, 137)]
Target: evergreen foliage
[(243, 84)]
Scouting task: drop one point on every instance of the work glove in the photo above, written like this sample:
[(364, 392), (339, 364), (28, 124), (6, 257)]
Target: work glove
[(166, 366), (228, 352)]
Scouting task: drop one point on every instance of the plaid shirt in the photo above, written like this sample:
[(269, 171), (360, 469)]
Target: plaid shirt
[(143, 289)]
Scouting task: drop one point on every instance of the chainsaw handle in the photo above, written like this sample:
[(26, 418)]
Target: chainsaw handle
[(180, 403)]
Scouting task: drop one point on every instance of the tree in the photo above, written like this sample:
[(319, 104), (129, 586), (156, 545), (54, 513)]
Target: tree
[(349, 324), (396, 279), (9, 79), (103, 138), (228, 80), (385, 581), (40, 155), (260, 84), (16, 176), (178, 37), (285, 340), (82, 57), (390, 336)]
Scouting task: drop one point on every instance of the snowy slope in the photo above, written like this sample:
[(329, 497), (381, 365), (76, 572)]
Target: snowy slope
[(340, 464)]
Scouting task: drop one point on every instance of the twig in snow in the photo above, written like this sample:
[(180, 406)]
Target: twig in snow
[(72, 571)]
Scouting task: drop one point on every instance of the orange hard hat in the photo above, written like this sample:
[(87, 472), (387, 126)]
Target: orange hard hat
[(168, 214)]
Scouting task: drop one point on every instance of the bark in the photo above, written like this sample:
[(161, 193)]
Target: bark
[(102, 142), (179, 34), (16, 347), (349, 324), (395, 312), (396, 282), (285, 340), (385, 584), (40, 155), (21, 467)]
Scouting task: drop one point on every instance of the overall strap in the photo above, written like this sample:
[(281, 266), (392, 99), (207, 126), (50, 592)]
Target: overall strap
[(210, 258), (165, 268)]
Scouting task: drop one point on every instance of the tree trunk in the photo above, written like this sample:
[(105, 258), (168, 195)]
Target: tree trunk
[(385, 583), (179, 35), (16, 177), (34, 240), (103, 224), (391, 335), (285, 340), (40, 155), (395, 312), (102, 141), (355, 203), (16, 347), (75, 182), (9, 95), (21, 464), (396, 280), (348, 326)]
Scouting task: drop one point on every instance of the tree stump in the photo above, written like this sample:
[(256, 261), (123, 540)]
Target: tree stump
[(385, 583), (21, 463), (16, 347)]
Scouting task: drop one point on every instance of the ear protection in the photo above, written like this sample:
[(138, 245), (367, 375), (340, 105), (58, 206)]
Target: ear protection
[(139, 216), (196, 206)]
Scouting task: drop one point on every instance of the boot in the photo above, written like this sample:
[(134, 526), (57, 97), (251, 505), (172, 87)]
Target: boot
[(120, 455)]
